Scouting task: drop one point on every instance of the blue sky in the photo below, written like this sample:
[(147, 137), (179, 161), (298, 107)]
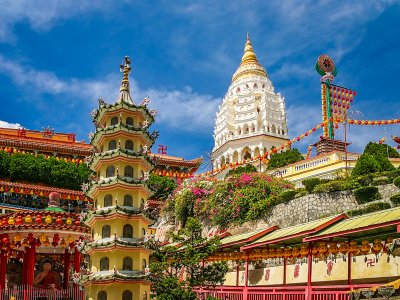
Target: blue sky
[(58, 57)]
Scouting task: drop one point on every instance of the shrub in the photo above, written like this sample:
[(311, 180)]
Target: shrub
[(365, 180), (368, 209), (381, 150), (396, 182), (288, 195), (285, 158), (392, 174), (4, 164), (242, 169), (310, 183), (336, 185), (300, 193), (395, 199), (366, 194), (366, 164), (381, 180)]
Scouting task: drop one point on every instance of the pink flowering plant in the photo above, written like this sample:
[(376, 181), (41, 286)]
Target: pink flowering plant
[(233, 201)]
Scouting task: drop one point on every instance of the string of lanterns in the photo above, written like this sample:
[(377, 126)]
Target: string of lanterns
[(309, 151), (12, 151), (321, 249), (38, 220), (172, 173), (373, 122)]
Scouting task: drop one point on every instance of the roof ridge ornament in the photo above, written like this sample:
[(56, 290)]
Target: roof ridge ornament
[(124, 90)]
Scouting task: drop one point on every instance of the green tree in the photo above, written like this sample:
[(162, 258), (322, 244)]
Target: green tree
[(161, 185), (4, 164), (366, 164), (285, 158), (381, 150), (169, 263), (242, 169)]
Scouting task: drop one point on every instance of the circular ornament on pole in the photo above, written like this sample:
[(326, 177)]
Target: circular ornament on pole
[(325, 66)]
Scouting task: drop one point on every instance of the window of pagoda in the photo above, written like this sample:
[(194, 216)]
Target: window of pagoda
[(128, 145), (127, 295), (144, 265), (108, 199), (129, 121), (102, 295), (273, 129), (247, 155), (110, 171), (104, 264), (128, 171), (106, 231), (114, 121), (112, 145), (127, 232), (141, 203), (127, 264), (128, 200), (144, 296), (143, 232)]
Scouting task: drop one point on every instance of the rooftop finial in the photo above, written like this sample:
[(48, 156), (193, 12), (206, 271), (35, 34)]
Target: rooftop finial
[(124, 95), (249, 56), (248, 37)]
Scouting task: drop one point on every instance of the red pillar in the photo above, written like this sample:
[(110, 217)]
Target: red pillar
[(349, 268), (237, 273), (77, 261), (309, 273), (284, 271), (66, 268), (30, 272), (246, 276), (25, 264), (3, 269)]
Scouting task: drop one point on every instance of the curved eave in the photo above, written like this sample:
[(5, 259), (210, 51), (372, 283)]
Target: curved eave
[(10, 229), (110, 184), (122, 130), (121, 155), (111, 109), (115, 246), (116, 212), (114, 278)]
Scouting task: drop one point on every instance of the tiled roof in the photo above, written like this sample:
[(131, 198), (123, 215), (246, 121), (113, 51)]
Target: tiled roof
[(372, 220), (245, 237), (114, 274)]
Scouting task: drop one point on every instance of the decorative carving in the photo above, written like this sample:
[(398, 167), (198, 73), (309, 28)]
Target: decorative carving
[(367, 293), (145, 101), (154, 135), (386, 291), (153, 112), (102, 102), (145, 124), (47, 132)]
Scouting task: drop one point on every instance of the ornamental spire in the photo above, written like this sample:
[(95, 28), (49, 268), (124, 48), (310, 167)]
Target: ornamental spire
[(249, 56), (124, 90)]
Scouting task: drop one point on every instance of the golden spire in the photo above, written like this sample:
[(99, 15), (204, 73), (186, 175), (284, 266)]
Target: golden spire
[(249, 66), (249, 56), (124, 90)]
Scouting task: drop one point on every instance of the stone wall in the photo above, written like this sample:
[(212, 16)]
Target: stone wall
[(316, 206)]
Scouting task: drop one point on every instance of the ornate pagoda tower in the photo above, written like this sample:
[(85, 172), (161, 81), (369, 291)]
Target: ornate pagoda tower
[(118, 257), (252, 117)]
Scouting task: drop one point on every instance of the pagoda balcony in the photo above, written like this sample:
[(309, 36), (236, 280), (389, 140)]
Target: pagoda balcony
[(110, 182), (116, 210), (127, 130), (113, 242), (114, 275)]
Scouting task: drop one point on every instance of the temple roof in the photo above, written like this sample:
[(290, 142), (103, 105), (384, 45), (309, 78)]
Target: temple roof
[(249, 64), (113, 241), (177, 161), (43, 141), (114, 274)]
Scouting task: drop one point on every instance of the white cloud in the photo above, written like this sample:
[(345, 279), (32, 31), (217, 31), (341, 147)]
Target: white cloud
[(184, 109), (4, 124), (42, 14)]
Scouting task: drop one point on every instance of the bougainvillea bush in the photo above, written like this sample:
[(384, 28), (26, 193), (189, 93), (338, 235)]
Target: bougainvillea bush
[(233, 201)]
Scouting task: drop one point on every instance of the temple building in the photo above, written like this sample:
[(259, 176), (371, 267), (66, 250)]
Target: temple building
[(118, 256), (252, 117)]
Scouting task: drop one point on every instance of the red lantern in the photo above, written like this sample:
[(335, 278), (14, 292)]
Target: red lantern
[(77, 222), (5, 240), (19, 220), (38, 219), (59, 220)]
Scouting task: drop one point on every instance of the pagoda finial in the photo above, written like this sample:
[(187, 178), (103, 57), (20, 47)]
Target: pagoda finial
[(124, 90), (249, 56)]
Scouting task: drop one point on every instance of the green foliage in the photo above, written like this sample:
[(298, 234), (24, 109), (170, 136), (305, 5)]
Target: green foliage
[(396, 182), (162, 186), (366, 164), (368, 209), (310, 183), (336, 185), (366, 194), (238, 199), (377, 149), (284, 158), (375, 159), (4, 164), (395, 199), (391, 174), (288, 195), (365, 180), (242, 169), (168, 263), (53, 172), (381, 180)]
